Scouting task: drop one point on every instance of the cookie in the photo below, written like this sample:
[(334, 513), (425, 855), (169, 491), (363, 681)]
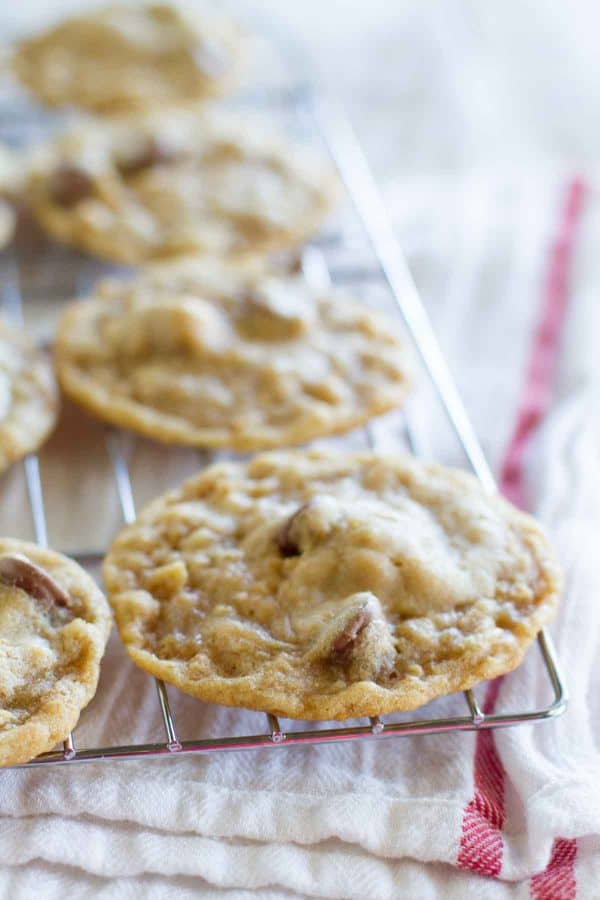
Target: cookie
[(125, 58), (328, 586), (54, 624), (28, 396), (205, 354), (178, 183)]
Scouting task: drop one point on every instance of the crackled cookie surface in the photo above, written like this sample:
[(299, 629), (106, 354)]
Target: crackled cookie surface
[(178, 183), (124, 57), (204, 354), (54, 624), (322, 586), (28, 396)]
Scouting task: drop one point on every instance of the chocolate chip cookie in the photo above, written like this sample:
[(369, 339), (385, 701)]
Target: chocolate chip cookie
[(54, 624), (329, 586), (124, 58), (206, 354), (179, 183)]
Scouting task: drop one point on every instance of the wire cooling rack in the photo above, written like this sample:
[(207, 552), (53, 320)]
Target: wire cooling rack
[(386, 270)]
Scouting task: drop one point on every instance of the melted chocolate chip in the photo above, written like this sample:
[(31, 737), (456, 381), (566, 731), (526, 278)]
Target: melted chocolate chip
[(153, 153), (285, 542), (69, 185), (345, 640), (18, 571)]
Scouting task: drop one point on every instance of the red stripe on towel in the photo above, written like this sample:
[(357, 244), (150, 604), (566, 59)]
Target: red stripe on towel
[(483, 819), (537, 391), (481, 843), (557, 881)]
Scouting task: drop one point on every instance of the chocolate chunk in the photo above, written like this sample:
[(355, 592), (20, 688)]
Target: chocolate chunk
[(18, 571), (285, 541), (69, 185), (351, 631), (152, 153)]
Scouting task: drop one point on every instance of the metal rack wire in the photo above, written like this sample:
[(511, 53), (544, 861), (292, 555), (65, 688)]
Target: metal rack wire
[(390, 270)]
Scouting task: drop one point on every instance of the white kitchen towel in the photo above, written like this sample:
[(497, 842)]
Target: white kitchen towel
[(400, 817)]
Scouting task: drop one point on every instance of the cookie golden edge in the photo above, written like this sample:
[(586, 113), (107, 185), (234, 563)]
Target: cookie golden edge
[(112, 108), (15, 441), (364, 698), (126, 413), (58, 715)]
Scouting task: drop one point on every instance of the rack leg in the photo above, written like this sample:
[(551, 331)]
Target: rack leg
[(114, 443), (277, 735)]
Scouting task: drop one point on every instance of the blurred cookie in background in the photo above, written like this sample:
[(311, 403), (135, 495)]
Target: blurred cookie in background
[(206, 354), (124, 58), (28, 396), (176, 183)]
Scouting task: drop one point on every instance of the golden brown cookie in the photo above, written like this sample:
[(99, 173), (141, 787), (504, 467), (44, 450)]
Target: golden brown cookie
[(54, 624), (205, 354), (124, 58), (324, 586), (28, 396), (178, 183)]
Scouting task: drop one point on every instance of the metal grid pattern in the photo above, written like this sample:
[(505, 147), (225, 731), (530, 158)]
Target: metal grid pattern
[(389, 270)]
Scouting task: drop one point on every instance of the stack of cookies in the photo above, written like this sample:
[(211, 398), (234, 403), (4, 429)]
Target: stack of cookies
[(298, 582)]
